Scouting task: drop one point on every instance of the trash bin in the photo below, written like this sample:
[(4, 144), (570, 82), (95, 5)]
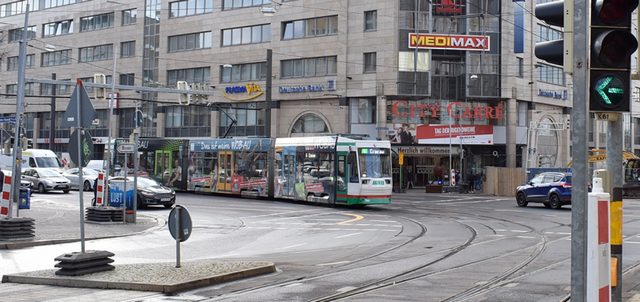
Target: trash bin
[(25, 199), (117, 194)]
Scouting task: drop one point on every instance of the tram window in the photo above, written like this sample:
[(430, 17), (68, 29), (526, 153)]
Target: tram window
[(353, 168), (341, 165)]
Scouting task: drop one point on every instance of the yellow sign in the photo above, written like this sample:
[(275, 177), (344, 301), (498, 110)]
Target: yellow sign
[(401, 158), (243, 93)]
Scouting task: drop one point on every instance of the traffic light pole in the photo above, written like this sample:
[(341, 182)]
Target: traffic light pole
[(579, 153)]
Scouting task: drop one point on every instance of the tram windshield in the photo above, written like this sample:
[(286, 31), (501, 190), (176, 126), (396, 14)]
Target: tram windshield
[(374, 162)]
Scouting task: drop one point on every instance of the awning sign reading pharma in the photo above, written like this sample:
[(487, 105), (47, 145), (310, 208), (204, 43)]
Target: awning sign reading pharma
[(453, 42)]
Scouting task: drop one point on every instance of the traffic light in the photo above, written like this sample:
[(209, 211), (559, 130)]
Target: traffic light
[(612, 44), (99, 93), (560, 14), (185, 97)]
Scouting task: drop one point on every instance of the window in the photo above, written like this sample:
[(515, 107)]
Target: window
[(246, 35), (57, 28), (322, 66), (18, 7), (184, 121), (128, 49), (129, 16), (363, 111), (127, 79), (96, 53), (15, 35), (96, 22), (546, 33), (190, 41), (191, 75), (243, 72), (314, 27), (369, 62), (232, 4), (28, 88), (309, 123), (249, 120), (47, 89), (370, 20), (520, 67), (551, 74), (55, 58), (12, 62), (190, 8)]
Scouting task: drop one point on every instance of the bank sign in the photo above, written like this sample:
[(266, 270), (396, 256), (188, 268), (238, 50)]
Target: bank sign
[(245, 92), (452, 42)]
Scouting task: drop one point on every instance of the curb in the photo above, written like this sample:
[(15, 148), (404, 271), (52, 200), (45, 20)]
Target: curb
[(166, 287), (19, 244)]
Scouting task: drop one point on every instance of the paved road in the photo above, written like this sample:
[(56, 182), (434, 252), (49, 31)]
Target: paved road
[(433, 247)]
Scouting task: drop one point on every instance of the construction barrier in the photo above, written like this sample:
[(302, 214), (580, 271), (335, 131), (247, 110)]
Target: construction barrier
[(5, 200), (598, 248), (100, 191)]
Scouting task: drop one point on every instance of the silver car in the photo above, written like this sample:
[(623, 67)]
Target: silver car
[(89, 177), (44, 180)]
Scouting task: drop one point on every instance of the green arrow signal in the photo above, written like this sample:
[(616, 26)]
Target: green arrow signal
[(610, 89)]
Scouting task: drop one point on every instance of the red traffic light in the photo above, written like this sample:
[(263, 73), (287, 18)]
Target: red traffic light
[(612, 12), (612, 48)]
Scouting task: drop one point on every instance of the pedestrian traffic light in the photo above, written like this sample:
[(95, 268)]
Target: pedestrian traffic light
[(560, 14), (99, 93), (612, 44), (185, 98)]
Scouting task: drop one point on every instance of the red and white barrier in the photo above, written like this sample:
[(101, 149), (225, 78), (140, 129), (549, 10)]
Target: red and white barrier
[(598, 247), (5, 199), (100, 191)]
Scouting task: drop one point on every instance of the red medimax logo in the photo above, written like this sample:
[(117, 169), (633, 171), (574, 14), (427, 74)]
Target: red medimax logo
[(449, 7)]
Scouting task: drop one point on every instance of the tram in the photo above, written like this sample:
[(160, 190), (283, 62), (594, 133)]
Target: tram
[(323, 169)]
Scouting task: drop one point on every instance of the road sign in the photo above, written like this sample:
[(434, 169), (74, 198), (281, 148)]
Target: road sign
[(71, 115), (179, 219), (86, 147), (126, 148)]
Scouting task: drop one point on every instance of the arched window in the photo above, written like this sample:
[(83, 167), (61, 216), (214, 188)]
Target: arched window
[(309, 123)]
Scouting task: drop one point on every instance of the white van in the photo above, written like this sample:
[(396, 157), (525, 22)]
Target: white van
[(41, 158)]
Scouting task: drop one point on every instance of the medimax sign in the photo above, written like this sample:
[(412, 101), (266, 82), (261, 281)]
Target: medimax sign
[(453, 42)]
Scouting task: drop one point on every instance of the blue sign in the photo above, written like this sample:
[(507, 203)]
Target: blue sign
[(553, 94), (301, 88), (7, 119), (235, 144)]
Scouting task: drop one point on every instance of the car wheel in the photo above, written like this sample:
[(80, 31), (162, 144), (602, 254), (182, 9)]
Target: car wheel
[(65, 191), (547, 205), (41, 188), (554, 201), (521, 200), (140, 204), (86, 186)]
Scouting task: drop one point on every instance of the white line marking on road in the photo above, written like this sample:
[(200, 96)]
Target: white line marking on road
[(292, 246), (517, 211), (526, 237), (501, 230), (348, 235), (632, 242), (333, 263), (519, 231), (384, 221)]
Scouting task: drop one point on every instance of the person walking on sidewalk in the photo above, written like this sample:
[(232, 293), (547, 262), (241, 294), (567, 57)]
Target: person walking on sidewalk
[(410, 176)]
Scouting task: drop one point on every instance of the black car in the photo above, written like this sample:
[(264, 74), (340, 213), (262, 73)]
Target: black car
[(553, 189), (150, 192)]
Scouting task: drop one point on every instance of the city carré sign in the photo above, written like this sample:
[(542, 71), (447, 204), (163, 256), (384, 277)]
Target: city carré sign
[(405, 109), (452, 42)]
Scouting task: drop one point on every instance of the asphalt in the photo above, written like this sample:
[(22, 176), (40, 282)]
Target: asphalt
[(57, 223)]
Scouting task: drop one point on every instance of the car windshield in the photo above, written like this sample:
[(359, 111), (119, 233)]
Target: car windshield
[(48, 162), (48, 173)]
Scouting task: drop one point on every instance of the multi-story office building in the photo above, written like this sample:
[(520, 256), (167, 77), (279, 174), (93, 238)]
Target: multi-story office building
[(451, 83)]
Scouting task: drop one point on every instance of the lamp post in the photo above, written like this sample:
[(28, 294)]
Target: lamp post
[(267, 97), (17, 152), (52, 128)]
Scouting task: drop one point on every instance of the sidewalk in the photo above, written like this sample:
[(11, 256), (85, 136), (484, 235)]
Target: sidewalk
[(57, 222)]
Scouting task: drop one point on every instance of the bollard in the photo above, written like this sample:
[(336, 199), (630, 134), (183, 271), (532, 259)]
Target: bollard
[(598, 248)]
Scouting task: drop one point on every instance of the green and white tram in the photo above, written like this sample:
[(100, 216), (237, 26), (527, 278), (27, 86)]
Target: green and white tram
[(333, 169)]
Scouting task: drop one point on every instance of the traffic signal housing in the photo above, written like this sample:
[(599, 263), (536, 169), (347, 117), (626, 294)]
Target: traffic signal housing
[(185, 97), (560, 51), (612, 45), (99, 93)]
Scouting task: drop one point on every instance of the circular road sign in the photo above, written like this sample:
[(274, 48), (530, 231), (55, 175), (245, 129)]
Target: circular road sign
[(184, 221)]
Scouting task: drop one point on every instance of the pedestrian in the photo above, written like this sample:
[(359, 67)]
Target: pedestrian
[(410, 176), (457, 177)]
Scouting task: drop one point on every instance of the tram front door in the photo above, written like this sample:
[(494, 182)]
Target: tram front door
[(225, 171), (162, 169)]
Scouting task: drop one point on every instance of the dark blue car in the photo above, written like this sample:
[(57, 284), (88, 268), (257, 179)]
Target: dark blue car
[(553, 189)]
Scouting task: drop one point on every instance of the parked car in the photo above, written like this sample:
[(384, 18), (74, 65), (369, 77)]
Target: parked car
[(24, 184), (89, 177), (45, 180), (553, 189), (150, 192)]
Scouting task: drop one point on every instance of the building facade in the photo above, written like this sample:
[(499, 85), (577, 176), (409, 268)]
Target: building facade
[(453, 84)]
